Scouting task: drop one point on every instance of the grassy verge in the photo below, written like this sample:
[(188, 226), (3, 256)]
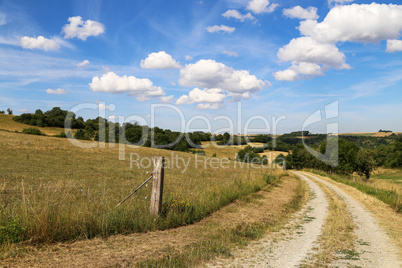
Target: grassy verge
[(390, 197), (222, 243), (337, 238)]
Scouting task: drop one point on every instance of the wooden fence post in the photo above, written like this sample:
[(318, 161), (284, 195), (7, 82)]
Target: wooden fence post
[(157, 185)]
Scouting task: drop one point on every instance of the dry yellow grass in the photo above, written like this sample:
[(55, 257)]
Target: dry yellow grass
[(211, 148), (58, 192), (130, 249), (389, 179), (7, 123), (370, 134), (385, 134)]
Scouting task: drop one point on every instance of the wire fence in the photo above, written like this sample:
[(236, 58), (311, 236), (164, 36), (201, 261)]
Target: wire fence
[(79, 186)]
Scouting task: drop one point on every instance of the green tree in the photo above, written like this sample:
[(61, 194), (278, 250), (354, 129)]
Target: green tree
[(80, 135), (9, 111), (364, 163), (248, 155)]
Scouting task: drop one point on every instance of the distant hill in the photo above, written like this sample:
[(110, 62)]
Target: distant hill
[(370, 134), (7, 123)]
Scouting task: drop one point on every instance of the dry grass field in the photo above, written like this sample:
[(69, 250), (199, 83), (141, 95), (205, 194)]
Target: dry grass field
[(370, 134), (52, 191), (389, 179), (7, 123), (221, 151)]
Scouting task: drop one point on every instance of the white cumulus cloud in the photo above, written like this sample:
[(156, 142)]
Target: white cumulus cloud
[(309, 59), (232, 13), (141, 88), (81, 29), (298, 71), (286, 75), (306, 49), (209, 95), (261, 6), (394, 45), (220, 28), (102, 106), (159, 60), (209, 106), (40, 42), (58, 91), (365, 23), (298, 12), (83, 64), (212, 74), (230, 53), (167, 99), (356, 23)]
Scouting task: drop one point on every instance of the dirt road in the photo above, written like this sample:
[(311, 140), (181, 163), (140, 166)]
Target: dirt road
[(299, 243), (373, 245)]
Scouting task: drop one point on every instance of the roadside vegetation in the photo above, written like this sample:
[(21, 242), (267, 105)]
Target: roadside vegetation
[(390, 194)]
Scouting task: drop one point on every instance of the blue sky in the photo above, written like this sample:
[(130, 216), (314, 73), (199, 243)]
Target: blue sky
[(277, 58)]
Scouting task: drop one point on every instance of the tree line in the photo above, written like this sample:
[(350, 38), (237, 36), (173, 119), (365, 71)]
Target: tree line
[(100, 129), (348, 158), (9, 111)]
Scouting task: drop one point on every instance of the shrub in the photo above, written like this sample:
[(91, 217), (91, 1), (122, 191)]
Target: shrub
[(199, 152), (32, 131), (63, 135)]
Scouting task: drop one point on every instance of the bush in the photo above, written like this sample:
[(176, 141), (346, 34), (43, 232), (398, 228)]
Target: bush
[(63, 135), (199, 152), (33, 131), (258, 149), (249, 156)]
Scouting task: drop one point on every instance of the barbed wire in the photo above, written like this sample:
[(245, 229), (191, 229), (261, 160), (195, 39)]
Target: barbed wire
[(10, 171)]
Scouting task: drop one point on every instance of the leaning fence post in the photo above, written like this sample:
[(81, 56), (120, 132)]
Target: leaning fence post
[(157, 185)]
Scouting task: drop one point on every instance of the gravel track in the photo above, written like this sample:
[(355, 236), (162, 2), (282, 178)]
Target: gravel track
[(373, 245), (295, 247)]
